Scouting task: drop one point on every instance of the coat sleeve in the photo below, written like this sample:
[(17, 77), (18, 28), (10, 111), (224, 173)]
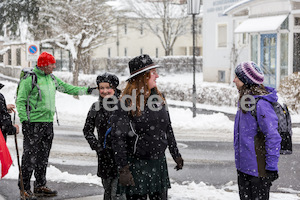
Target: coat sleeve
[(89, 128), (6, 124), (268, 123), (119, 132), (25, 87), (70, 89), (171, 140)]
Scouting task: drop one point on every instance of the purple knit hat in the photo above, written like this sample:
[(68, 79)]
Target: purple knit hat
[(249, 73)]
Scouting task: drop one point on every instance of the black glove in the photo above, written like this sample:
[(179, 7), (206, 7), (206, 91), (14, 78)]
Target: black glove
[(272, 175), (90, 90), (126, 178), (179, 162)]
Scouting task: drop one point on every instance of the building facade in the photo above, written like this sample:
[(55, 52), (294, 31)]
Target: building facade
[(133, 37), (264, 31)]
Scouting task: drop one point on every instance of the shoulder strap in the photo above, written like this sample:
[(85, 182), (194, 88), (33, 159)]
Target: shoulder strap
[(54, 79), (254, 113)]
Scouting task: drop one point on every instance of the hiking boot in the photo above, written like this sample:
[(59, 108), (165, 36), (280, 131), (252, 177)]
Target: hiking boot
[(28, 195), (44, 191)]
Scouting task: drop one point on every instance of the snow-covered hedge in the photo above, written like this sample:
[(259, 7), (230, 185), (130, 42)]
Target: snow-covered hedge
[(173, 64), (289, 90), (207, 93)]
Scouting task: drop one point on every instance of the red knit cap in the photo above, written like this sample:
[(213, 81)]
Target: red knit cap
[(45, 59)]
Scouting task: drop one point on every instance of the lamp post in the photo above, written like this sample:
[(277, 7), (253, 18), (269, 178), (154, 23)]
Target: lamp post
[(194, 9)]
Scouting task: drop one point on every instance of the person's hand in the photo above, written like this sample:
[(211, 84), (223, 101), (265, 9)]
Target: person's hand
[(17, 128), (10, 108), (90, 90), (179, 162), (272, 175), (126, 178)]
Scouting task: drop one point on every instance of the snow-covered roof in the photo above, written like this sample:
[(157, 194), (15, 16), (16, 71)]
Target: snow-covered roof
[(4, 50), (235, 6), (261, 24), (149, 9)]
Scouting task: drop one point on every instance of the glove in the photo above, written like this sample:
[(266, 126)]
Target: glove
[(126, 178), (179, 162), (272, 175), (90, 90)]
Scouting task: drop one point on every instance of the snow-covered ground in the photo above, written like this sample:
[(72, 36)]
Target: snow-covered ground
[(216, 127)]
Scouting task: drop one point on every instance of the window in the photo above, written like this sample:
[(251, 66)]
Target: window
[(222, 35), (221, 76), (297, 21), (156, 52), (9, 56), (125, 51), (142, 29), (18, 55), (200, 29), (254, 48), (109, 52), (1, 58), (141, 51), (125, 29)]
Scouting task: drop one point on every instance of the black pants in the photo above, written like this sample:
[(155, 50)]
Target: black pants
[(253, 188), (37, 143), (154, 196)]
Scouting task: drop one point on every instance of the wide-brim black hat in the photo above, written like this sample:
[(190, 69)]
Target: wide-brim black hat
[(140, 64)]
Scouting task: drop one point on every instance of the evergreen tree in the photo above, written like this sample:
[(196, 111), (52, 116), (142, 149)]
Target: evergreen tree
[(15, 11)]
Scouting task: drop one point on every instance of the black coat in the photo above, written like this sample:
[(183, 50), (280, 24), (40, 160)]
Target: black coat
[(5, 119), (98, 118), (150, 134)]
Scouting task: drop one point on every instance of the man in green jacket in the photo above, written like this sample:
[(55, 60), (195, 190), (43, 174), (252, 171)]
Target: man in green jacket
[(36, 108)]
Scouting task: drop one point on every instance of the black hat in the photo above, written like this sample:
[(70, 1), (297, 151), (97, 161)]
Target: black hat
[(1, 86), (108, 78), (140, 64)]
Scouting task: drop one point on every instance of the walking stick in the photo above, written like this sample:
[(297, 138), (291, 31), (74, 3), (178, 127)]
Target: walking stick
[(18, 157)]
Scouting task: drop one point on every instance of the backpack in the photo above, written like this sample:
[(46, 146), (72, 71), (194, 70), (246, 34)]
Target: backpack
[(28, 71), (284, 125)]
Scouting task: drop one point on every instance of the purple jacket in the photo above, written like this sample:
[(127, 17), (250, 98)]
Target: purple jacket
[(245, 131)]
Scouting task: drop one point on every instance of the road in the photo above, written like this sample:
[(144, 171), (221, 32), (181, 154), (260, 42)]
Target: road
[(206, 161)]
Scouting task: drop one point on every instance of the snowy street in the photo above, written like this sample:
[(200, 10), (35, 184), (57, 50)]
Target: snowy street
[(73, 165), (205, 143)]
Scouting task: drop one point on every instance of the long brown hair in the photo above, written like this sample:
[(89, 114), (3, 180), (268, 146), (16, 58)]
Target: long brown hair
[(140, 85), (252, 89)]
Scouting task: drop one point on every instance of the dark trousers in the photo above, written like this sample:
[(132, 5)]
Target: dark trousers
[(154, 196), (253, 188), (110, 189), (37, 143)]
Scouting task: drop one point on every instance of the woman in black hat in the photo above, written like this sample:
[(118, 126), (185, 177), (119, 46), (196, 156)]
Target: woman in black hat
[(98, 117), (141, 130)]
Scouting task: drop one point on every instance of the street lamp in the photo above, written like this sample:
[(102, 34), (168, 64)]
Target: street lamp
[(194, 9)]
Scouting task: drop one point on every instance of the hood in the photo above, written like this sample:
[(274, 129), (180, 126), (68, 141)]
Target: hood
[(271, 97)]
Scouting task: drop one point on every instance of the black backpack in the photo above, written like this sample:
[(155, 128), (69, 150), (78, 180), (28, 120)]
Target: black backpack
[(284, 125)]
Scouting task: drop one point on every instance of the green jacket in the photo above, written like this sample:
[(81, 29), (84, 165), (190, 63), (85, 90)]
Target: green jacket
[(42, 110)]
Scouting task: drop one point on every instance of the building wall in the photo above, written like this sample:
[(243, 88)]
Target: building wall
[(150, 44), (216, 58), (268, 8)]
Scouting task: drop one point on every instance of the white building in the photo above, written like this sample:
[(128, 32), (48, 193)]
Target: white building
[(133, 37), (264, 31)]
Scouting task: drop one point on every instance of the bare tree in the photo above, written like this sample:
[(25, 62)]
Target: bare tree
[(166, 20), (76, 25)]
